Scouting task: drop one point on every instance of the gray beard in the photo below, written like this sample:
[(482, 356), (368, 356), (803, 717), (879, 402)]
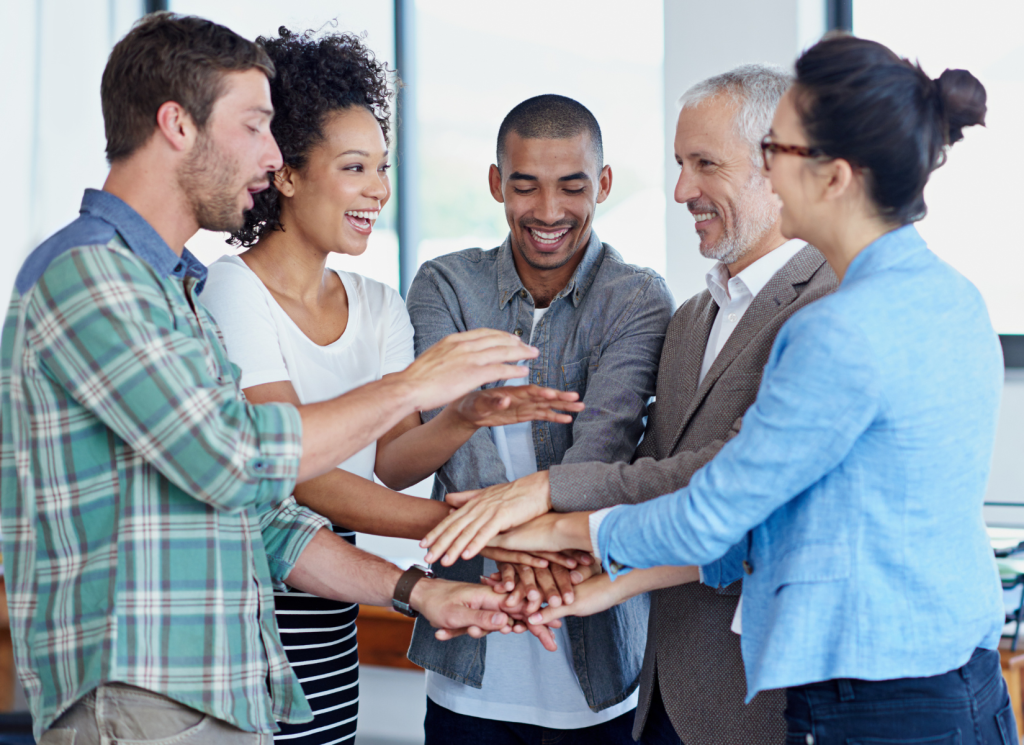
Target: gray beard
[(758, 217)]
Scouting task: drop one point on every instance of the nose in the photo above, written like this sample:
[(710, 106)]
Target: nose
[(549, 208), (378, 186), (687, 189), (272, 159)]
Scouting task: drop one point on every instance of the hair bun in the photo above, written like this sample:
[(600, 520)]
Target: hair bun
[(963, 101)]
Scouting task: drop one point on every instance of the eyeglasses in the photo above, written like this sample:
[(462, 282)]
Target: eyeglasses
[(769, 149)]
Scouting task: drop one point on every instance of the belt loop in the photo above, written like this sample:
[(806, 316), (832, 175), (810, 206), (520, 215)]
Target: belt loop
[(845, 690)]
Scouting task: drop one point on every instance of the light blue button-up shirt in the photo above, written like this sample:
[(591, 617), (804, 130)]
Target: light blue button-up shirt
[(856, 483)]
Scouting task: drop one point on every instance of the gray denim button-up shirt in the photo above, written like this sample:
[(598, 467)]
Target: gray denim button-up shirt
[(602, 337)]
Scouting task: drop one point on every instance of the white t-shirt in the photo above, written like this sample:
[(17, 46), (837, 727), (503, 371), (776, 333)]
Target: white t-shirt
[(523, 682), (265, 342)]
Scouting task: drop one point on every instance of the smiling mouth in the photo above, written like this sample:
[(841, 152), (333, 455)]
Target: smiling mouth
[(362, 220), (704, 216), (547, 237)]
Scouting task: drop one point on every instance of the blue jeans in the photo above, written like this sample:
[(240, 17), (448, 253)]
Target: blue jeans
[(445, 727), (968, 706)]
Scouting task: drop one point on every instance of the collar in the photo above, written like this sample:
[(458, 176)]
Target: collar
[(754, 277), (141, 238), (509, 282), (886, 251)]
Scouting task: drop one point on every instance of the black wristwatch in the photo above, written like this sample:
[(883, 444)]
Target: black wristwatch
[(403, 590)]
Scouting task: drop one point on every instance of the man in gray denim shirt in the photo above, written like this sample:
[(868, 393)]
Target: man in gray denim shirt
[(599, 324)]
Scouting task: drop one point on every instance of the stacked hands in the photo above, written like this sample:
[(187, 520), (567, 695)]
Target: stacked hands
[(543, 557)]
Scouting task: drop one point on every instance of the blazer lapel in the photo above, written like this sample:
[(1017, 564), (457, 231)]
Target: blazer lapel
[(684, 355), (773, 298)]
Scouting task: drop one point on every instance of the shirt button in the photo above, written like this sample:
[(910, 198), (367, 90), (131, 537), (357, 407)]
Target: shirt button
[(732, 318), (809, 739), (519, 332), (747, 567), (522, 293), (258, 465)]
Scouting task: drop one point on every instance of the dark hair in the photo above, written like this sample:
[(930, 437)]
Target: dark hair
[(169, 57), (315, 78), (860, 102), (550, 117)]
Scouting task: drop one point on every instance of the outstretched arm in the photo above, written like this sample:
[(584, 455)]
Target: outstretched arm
[(412, 451), (330, 567)]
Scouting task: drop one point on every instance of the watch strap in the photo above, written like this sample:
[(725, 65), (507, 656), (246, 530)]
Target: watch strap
[(403, 590)]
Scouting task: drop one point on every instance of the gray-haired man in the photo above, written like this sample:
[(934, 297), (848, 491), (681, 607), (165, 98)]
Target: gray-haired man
[(692, 684)]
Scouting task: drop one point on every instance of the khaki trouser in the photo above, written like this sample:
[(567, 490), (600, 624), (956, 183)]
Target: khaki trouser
[(118, 713)]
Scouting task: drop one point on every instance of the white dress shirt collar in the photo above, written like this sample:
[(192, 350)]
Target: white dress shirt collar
[(753, 278)]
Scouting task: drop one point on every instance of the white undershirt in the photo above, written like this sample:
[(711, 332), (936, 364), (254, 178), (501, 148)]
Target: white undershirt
[(269, 347), (733, 296), (523, 682)]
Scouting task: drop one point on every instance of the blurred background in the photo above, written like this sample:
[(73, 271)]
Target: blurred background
[(464, 65)]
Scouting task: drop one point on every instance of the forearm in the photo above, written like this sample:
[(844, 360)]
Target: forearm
[(331, 567), (366, 507), (594, 486), (420, 451), (335, 430), (640, 581)]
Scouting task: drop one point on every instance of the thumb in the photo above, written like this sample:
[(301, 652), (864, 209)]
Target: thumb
[(487, 620)]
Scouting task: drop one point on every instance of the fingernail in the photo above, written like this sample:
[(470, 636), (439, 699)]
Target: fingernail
[(536, 618), (576, 577), (510, 586), (533, 595), (498, 618), (429, 558), (554, 601), (569, 597)]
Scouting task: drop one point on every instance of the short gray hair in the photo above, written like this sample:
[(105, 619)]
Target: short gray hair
[(757, 89)]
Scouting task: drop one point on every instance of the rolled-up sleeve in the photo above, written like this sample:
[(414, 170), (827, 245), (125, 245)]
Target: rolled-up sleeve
[(819, 393), (105, 333), (287, 529)]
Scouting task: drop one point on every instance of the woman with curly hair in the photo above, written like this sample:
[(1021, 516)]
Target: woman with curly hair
[(302, 332)]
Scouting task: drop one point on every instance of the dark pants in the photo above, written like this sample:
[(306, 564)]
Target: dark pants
[(445, 727), (968, 706), (658, 730)]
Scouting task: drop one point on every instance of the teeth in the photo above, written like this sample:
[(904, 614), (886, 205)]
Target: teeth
[(701, 216), (549, 238), (366, 215)]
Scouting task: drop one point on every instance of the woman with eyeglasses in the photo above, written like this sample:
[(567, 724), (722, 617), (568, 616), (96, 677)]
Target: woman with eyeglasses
[(851, 500), (304, 332)]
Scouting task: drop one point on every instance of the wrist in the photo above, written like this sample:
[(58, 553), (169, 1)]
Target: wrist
[(573, 531), (398, 389), (453, 418), (540, 484), (421, 593)]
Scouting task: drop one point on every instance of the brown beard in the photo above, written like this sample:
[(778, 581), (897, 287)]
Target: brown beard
[(207, 181)]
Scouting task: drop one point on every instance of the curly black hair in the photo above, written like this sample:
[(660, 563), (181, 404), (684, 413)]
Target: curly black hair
[(316, 76)]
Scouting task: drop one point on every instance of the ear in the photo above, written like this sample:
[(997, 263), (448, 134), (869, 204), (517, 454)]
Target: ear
[(841, 178), (284, 181), (604, 184), (175, 125), (494, 181)]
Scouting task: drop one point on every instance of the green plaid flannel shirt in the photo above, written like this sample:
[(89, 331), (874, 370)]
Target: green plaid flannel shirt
[(146, 508)]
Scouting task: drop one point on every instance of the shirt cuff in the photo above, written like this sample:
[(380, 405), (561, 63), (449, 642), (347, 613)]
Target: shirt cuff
[(595, 521)]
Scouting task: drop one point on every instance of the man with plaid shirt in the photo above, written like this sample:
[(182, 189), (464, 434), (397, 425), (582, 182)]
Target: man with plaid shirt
[(146, 506)]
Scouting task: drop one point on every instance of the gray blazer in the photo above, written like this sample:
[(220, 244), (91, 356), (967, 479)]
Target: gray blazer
[(691, 653)]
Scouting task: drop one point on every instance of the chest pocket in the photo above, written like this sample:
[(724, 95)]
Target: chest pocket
[(573, 376)]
